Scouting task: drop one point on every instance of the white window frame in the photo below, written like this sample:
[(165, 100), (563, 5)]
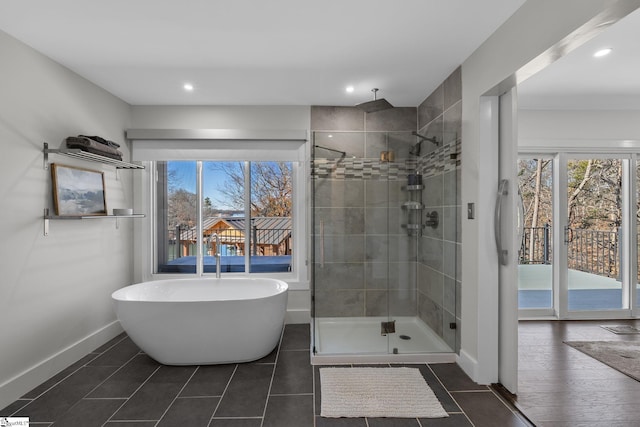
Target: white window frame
[(561, 150), (257, 148)]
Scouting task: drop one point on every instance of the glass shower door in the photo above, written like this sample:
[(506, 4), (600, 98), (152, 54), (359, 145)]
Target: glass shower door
[(385, 252), (381, 225), (349, 284)]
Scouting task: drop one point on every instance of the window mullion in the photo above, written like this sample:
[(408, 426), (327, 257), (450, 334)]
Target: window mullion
[(247, 216), (199, 226), (633, 234), (624, 244)]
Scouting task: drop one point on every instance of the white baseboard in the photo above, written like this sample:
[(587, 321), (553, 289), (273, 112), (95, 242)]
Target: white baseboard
[(468, 364), (17, 386), (297, 316)]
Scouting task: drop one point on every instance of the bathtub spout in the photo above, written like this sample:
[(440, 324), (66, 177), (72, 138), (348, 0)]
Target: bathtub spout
[(216, 253)]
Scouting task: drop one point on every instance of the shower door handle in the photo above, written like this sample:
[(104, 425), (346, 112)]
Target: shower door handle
[(321, 243), (497, 221)]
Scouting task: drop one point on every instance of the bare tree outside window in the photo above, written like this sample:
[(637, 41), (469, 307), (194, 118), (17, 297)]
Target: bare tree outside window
[(271, 187), (594, 202)]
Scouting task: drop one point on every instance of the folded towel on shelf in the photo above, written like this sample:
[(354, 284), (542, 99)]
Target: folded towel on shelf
[(102, 140), (91, 146)]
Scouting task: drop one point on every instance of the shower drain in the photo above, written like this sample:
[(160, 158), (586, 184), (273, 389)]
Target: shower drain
[(404, 337)]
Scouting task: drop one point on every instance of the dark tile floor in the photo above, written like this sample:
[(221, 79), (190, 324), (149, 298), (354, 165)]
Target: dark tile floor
[(119, 386)]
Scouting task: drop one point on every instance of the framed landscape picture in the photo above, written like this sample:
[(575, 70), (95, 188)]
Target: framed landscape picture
[(77, 191)]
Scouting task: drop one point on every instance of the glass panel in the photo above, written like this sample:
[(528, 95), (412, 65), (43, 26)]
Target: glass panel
[(535, 272), (271, 216), (350, 265), (176, 217), (593, 234), (223, 215), (426, 248), (386, 243), (637, 228)]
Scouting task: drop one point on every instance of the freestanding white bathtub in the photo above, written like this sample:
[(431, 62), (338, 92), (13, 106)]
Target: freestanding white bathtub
[(203, 321)]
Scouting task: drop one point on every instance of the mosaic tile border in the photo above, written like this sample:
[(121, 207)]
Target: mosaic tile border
[(444, 159)]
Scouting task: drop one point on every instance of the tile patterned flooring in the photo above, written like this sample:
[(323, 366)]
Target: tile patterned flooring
[(119, 386)]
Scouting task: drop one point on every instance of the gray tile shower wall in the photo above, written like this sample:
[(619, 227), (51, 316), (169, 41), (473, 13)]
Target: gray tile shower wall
[(364, 261), (439, 286)]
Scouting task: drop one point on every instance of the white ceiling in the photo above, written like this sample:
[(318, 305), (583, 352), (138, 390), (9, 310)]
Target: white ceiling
[(580, 81), (258, 52), (302, 52)]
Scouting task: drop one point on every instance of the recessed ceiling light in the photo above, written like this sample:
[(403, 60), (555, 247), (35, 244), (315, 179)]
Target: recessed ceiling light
[(350, 89), (602, 52), (188, 87)]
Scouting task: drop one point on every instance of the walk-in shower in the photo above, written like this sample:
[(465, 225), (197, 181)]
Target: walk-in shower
[(383, 271)]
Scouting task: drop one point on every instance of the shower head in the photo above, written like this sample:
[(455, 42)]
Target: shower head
[(375, 105), (425, 138)]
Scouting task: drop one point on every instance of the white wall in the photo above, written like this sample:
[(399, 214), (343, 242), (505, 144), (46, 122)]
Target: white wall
[(534, 28), (224, 117), (598, 129), (55, 290)]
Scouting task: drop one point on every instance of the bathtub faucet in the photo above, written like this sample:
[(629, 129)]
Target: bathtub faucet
[(216, 253)]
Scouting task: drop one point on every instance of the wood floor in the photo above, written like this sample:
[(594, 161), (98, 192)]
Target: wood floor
[(559, 386)]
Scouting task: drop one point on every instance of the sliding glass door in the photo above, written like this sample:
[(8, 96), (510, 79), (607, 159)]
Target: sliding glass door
[(535, 256), (597, 201), (579, 255)]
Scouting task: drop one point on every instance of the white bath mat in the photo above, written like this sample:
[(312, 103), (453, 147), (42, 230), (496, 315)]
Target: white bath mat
[(377, 392)]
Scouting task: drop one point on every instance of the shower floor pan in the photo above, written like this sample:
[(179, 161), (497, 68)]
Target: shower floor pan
[(358, 340)]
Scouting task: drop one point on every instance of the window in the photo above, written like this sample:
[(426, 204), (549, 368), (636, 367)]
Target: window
[(240, 211), (184, 167)]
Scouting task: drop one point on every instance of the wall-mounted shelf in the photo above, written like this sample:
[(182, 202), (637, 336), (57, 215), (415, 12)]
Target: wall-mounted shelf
[(413, 226), (83, 155), (416, 187), (413, 207), (48, 217), (89, 157)]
